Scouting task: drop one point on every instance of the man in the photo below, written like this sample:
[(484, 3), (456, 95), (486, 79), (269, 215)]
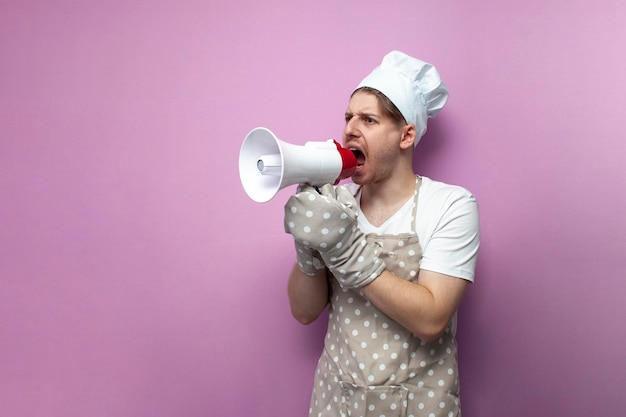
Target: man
[(391, 254)]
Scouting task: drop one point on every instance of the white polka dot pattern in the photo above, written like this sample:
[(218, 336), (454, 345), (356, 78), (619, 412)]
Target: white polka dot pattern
[(371, 366), (308, 259), (326, 222)]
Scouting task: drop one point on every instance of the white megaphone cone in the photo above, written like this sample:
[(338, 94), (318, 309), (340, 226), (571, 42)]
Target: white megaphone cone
[(267, 164)]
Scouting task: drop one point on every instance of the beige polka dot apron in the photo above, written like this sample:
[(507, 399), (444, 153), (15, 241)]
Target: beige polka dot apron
[(373, 367)]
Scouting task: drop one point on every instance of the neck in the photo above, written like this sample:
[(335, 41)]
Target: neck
[(390, 191), (379, 201)]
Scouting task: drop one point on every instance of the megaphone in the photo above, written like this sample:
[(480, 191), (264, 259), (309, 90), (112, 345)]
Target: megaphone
[(267, 164)]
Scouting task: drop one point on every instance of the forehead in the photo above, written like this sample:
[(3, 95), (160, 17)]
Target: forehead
[(364, 102)]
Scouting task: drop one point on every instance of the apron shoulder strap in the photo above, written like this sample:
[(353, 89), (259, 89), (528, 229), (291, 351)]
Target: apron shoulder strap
[(418, 183)]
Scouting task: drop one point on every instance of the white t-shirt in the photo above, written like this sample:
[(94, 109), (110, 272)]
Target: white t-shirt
[(447, 227)]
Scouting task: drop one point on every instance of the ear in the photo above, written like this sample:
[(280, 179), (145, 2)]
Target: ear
[(408, 136)]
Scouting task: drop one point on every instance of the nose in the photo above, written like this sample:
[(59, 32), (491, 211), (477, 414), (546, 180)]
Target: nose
[(351, 127)]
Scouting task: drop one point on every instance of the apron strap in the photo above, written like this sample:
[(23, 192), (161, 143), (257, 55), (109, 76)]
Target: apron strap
[(418, 183)]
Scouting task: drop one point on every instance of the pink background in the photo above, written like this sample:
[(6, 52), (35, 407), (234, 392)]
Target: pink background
[(136, 277)]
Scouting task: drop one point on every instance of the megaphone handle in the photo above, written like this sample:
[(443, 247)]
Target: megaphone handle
[(315, 187)]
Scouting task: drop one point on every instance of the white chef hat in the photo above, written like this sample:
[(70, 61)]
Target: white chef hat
[(413, 86)]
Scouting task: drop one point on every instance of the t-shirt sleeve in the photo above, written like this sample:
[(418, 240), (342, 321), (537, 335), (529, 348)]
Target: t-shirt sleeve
[(452, 246)]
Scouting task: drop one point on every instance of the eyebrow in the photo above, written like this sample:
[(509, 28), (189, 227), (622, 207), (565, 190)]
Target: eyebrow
[(362, 114)]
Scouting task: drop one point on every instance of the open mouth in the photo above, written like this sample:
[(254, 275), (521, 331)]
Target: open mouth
[(360, 157)]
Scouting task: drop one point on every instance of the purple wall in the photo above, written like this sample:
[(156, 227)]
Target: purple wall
[(136, 277)]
